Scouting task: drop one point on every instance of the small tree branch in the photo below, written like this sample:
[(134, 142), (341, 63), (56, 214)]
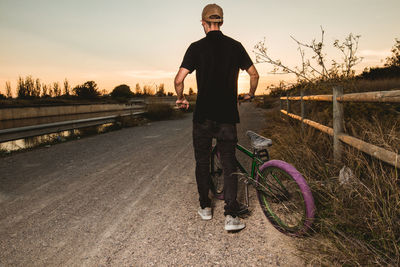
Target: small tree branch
[(308, 72)]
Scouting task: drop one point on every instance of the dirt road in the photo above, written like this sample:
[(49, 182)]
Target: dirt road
[(126, 198)]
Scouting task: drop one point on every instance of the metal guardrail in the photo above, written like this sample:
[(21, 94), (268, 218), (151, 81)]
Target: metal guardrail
[(10, 134), (47, 128)]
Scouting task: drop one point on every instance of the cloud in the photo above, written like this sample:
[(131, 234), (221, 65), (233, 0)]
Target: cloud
[(148, 74), (375, 53)]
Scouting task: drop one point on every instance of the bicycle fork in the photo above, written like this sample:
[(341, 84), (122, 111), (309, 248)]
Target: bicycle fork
[(246, 191), (246, 181), (263, 154)]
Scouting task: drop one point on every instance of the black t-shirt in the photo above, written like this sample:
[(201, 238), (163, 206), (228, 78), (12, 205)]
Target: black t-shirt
[(217, 59)]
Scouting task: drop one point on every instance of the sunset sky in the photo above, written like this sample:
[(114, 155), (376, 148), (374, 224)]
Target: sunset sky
[(132, 41)]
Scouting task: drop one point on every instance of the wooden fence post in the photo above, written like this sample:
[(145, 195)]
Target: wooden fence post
[(287, 103), (302, 108), (337, 123)]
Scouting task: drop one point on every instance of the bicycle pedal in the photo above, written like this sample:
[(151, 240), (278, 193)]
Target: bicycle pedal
[(243, 210), (245, 214)]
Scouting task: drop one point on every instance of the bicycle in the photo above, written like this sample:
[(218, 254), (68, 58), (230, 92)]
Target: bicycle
[(283, 193)]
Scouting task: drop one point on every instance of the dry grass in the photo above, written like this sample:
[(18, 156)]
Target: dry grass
[(55, 101), (372, 85), (358, 221), (159, 111)]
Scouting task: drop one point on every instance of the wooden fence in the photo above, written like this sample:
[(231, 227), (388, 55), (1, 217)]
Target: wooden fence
[(338, 120)]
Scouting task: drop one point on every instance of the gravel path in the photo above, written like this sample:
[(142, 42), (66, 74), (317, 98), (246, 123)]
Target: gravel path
[(126, 198)]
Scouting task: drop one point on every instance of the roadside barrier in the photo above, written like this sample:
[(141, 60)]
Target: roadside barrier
[(136, 108), (339, 137)]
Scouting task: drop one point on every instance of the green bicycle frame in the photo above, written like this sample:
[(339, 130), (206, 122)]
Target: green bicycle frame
[(255, 162), (267, 182)]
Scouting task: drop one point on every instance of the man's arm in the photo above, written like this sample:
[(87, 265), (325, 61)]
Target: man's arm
[(179, 86), (252, 71)]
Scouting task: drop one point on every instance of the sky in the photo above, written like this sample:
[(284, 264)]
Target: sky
[(133, 41)]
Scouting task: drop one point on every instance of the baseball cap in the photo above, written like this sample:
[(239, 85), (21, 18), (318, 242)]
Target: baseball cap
[(210, 10)]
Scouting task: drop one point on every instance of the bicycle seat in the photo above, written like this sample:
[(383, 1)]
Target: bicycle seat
[(257, 141)]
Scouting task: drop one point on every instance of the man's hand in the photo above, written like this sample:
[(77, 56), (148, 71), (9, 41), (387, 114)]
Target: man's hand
[(179, 78), (182, 103), (252, 71)]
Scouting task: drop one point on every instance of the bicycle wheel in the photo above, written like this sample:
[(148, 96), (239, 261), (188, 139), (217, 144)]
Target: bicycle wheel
[(285, 197), (217, 176)]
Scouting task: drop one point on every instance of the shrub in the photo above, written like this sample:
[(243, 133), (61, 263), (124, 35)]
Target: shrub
[(266, 101), (381, 73), (123, 91), (159, 111)]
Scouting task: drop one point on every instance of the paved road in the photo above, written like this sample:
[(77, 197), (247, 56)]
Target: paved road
[(125, 198)]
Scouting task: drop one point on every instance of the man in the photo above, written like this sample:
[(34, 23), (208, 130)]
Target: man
[(217, 60)]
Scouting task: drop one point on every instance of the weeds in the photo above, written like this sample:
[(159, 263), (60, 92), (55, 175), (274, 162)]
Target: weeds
[(358, 221), (266, 101), (159, 111), (164, 111)]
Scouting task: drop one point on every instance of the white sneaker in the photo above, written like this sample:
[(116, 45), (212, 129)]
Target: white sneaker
[(205, 213), (233, 223)]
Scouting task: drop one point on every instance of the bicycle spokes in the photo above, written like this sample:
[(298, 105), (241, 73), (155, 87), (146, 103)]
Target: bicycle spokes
[(281, 197), (217, 177)]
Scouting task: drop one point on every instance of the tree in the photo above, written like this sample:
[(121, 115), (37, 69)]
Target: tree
[(160, 90), (394, 59), (122, 90), (391, 67), (51, 91), (316, 68), (104, 92), (8, 90), (38, 87), (87, 90), (66, 87), (26, 88), (44, 91), (147, 90), (30, 86), (21, 89), (138, 91), (56, 89)]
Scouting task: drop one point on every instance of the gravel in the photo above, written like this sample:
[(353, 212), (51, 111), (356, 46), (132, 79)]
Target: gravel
[(127, 198)]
